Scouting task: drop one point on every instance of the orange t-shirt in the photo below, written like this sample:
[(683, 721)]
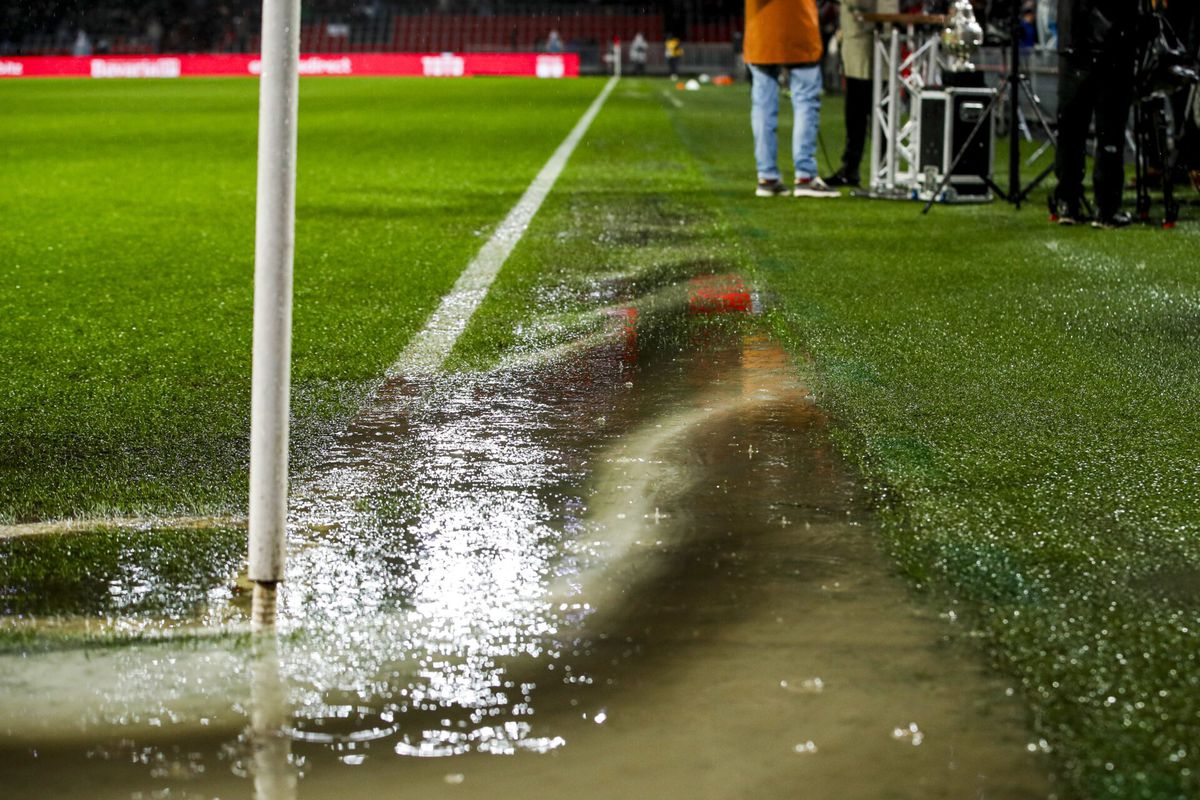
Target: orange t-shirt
[(782, 32)]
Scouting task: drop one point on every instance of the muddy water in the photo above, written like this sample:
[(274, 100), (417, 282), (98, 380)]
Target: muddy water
[(639, 573)]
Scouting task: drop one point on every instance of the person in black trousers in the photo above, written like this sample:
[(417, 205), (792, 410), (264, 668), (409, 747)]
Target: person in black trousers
[(857, 46), (1096, 71)]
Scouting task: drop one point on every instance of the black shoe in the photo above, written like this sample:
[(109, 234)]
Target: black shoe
[(1064, 212), (843, 178), (1118, 220)]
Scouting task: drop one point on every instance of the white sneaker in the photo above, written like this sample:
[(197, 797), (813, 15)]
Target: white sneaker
[(771, 188), (814, 187)]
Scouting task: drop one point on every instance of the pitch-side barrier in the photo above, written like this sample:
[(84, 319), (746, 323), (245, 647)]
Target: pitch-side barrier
[(430, 65)]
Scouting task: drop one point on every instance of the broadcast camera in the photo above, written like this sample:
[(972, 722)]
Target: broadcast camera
[(1164, 64)]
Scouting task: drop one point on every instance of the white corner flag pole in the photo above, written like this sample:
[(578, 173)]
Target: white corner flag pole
[(274, 244)]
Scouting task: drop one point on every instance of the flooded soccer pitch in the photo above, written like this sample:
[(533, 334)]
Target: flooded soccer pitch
[(639, 571)]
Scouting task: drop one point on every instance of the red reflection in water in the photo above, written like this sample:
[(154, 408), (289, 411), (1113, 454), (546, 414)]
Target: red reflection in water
[(628, 319), (719, 294)]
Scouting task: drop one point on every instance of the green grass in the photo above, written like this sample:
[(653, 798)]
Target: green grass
[(126, 267), (1021, 399)]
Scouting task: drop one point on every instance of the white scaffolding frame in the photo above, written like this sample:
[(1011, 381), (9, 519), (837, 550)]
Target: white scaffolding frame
[(898, 80)]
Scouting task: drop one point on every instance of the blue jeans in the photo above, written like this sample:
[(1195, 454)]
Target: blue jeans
[(764, 118)]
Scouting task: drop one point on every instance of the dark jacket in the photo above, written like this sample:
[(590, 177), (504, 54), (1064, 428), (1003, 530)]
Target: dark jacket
[(1093, 29)]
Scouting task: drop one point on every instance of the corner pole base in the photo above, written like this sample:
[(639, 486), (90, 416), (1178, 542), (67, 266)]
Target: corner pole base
[(262, 606)]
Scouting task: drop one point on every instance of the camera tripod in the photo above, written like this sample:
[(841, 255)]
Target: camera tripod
[(1012, 86), (1155, 143)]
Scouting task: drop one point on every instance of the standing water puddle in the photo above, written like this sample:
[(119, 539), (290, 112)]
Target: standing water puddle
[(642, 572)]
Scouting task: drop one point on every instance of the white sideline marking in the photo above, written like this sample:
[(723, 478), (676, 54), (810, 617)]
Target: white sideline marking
[(675, 101), (429, 348), (87, 524)]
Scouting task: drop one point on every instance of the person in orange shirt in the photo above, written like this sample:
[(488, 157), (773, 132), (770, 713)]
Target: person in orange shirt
[(785, 35)]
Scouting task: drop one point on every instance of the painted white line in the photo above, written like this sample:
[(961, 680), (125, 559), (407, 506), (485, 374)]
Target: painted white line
[(429, 348), (675, 101), (88, 524)]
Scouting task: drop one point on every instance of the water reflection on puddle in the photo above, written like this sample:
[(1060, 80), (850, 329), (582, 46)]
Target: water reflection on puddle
[(641, 572)]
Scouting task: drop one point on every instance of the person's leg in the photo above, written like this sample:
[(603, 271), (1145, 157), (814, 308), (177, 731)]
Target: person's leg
[(858, 115), (806, 103), (858, 50), (1076, 102), (1112, 115), (764, 119)]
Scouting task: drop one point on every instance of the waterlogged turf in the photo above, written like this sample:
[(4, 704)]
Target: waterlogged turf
[(1021, 398), (525, 576), (112, 585), (126, 263)]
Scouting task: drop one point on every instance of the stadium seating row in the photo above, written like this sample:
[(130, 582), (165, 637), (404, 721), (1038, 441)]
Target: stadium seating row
[(518, 32), (433, 32)]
